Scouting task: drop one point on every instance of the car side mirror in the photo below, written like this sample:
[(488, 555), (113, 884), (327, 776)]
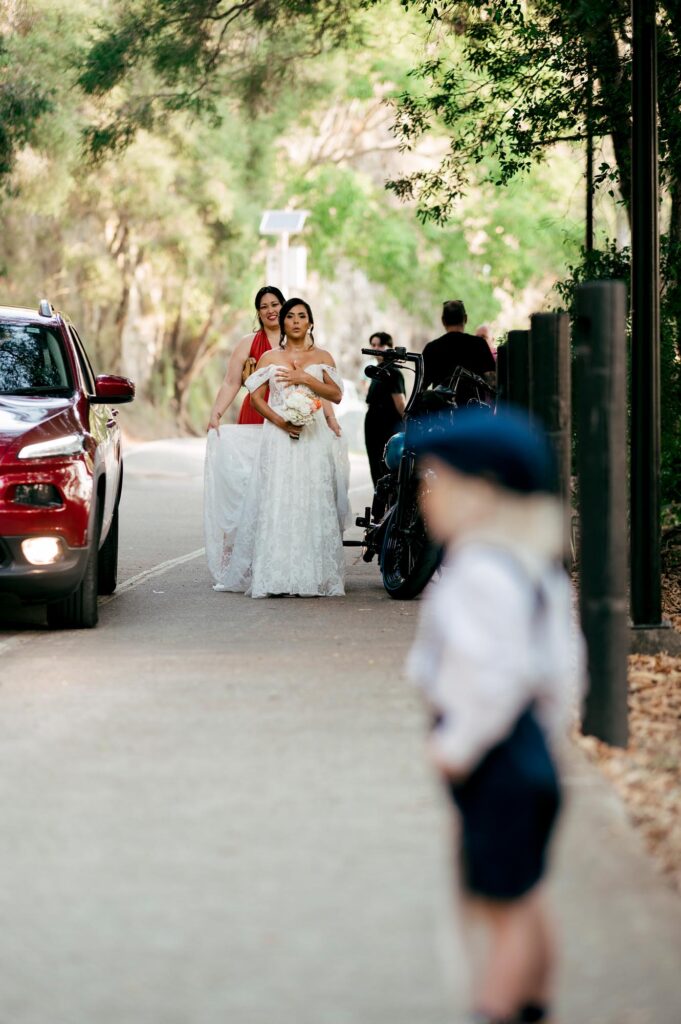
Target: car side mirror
[(112, 390)]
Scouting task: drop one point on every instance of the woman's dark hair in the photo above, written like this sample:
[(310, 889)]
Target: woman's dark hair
[(384, 338), (286, 308), (269, 289)]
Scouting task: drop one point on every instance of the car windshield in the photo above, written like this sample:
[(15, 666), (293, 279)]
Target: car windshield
[(32, 361)]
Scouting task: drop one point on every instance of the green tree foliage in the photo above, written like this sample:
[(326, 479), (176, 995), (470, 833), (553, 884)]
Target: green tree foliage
[(23, 97), (508, 81), (499, 243), (154, 248), (511, 79), (183, 55)]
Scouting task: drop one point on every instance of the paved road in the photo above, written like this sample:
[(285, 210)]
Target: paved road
[(216, 810)]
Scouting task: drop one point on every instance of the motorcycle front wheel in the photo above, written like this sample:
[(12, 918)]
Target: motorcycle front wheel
[(408, 560)]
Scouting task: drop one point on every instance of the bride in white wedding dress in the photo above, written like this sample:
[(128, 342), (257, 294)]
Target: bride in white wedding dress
[(276, 496)]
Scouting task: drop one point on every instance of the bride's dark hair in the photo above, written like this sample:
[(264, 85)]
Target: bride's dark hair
[(286, 308), (269, 289)]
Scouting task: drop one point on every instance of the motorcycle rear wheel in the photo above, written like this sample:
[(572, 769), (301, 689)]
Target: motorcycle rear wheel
[(407, 563)]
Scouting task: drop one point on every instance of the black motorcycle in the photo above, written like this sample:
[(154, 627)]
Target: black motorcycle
[(393, 526)]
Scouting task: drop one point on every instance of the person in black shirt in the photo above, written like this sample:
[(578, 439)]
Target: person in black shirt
[(386, 401), (455, 348)]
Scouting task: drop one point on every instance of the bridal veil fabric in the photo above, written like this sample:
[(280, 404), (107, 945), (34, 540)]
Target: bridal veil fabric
[(274, 508)]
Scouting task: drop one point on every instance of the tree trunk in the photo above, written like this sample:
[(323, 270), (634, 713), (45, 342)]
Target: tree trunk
[(672, 261), (186, 363), (615, 96), (668, 36), (175, 360)]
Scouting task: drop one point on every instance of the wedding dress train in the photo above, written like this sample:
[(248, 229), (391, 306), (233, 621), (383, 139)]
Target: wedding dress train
[(275, 508)]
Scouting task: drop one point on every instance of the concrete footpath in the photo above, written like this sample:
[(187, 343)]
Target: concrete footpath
[(216, 811)]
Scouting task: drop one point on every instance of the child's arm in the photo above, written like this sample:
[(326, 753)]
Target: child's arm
[(482, 681)]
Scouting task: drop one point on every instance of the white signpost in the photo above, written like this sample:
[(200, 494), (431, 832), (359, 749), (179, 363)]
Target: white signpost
[(287, 265)]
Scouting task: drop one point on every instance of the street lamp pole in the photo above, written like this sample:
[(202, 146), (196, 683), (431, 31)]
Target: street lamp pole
[(646, 601), (283, 252), (589, 239)]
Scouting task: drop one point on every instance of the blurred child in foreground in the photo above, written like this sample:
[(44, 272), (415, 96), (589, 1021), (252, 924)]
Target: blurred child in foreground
[(499, 661)]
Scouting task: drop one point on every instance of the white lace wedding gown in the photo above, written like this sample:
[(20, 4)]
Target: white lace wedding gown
[(275, 508)]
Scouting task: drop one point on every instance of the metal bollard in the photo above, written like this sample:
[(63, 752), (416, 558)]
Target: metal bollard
[(519, 381), (550, 374), (502, 373), (600, 382), (646, 593)]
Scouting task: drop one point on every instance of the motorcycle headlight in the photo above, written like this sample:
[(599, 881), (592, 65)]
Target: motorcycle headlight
[(69, 444), (393, 451)]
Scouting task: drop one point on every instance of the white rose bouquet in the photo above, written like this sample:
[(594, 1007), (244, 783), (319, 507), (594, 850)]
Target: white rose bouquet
[(301, 405)]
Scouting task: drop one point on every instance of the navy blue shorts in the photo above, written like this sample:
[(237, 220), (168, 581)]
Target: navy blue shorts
[(508, 806)]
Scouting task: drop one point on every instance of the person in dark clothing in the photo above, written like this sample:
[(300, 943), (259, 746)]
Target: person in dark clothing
[(455, 348), (386, 401)]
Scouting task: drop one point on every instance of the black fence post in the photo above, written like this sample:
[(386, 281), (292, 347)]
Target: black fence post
[(551, 391), (519, 381), (600, 382), (646, 594), (502, 373)]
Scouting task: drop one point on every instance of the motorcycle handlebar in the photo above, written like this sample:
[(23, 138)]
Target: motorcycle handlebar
[(393, 353), (399, 355), (461, 371)]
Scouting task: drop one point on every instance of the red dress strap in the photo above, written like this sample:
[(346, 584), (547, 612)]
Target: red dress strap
[(259, 346)]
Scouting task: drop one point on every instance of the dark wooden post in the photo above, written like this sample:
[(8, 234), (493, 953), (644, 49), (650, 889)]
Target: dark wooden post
[(589, 175), (551, 392), (519, 381), (600, 385), (646, 597), (502, 373)]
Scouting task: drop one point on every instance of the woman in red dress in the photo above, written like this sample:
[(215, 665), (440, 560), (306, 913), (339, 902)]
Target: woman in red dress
[(268, 302)]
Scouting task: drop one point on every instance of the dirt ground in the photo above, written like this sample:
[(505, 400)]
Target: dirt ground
[(648, 773)]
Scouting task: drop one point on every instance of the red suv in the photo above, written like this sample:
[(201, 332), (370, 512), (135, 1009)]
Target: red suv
[(60, 467)]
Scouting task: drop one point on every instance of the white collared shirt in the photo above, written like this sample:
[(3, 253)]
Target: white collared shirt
[(488, 646)]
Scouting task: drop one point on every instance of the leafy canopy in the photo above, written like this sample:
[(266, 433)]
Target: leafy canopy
[(153, 58), (510, 80)]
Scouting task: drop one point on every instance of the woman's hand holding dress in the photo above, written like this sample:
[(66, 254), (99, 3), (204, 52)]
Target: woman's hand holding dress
[(214, 421), (231, 384)]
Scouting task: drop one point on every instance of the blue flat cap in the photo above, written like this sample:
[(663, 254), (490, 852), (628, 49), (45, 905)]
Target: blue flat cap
[(508, 447)]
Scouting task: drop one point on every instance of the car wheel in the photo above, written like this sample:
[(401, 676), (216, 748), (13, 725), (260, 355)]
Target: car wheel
[(79, 610), (108, 559)]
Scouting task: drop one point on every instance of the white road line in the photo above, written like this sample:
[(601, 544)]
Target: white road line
[(20, 639), (149, 574)]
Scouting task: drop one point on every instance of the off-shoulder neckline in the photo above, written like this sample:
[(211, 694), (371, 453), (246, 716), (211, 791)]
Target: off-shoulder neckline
[(307, 367)]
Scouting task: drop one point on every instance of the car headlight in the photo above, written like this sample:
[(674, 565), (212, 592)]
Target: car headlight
[(69, 444)]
